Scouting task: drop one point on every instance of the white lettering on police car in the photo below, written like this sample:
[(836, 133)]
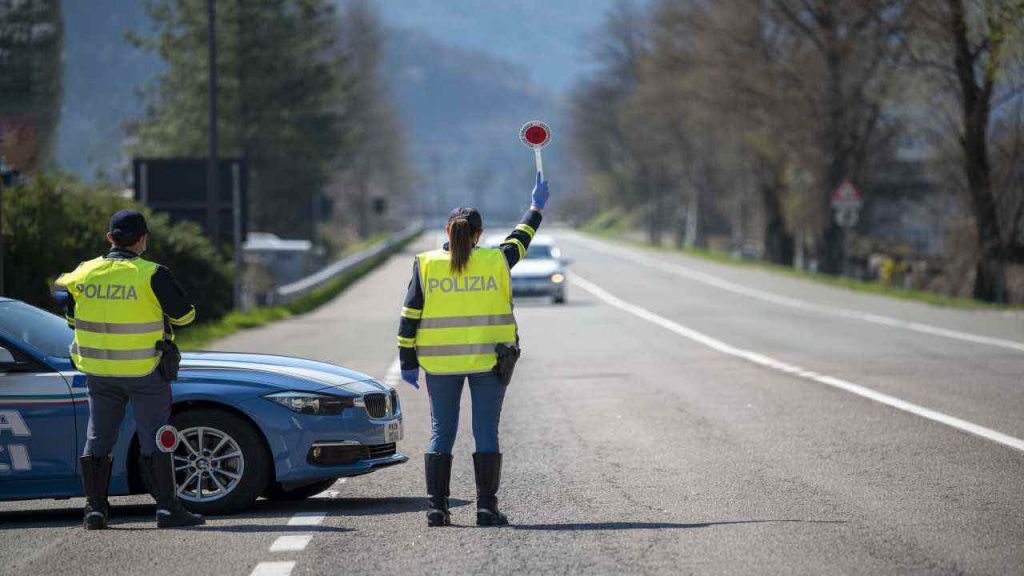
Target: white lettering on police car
[(11, 420)]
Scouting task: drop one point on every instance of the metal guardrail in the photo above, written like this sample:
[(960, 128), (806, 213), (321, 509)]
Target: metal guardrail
[(295, 290)]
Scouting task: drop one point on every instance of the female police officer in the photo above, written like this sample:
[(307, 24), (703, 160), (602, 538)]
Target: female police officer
[(457, 311)]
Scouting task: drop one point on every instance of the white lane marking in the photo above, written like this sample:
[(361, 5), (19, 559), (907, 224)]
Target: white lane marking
[(680, 270), (394, 373), (774, 364), (307, 519), (273, 569), (291, 543)]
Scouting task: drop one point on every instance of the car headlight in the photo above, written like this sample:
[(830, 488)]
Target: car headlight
[(311, 403), (557, 278)]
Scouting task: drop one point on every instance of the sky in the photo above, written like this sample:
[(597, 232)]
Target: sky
[(548, 37)]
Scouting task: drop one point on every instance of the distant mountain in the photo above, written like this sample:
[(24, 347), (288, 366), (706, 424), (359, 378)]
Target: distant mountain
[(463, 106), (463, 110), (101, 73)]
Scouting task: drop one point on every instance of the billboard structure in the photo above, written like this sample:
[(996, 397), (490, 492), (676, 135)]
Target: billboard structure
[(177, 186)]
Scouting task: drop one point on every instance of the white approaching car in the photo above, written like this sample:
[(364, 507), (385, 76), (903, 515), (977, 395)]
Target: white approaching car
[(542, 273)]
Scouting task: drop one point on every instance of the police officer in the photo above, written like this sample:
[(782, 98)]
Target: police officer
[(121, 307), (458, 309)]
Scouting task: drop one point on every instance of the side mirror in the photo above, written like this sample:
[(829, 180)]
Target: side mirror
[(8, 363), (567, 261)]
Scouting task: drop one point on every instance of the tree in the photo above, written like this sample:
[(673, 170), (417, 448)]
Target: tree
[(282, 83), (971, 44), (376, 167), (849, 50), (53, 222), (31, 79)]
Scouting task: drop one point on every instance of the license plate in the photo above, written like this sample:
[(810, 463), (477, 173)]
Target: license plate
[(392, 431)]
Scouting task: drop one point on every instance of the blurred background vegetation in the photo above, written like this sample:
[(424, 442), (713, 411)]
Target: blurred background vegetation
[(730, 124), (722, 126)]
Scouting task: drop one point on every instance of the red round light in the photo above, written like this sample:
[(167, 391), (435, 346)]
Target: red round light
[(536, 135), (168, 439)]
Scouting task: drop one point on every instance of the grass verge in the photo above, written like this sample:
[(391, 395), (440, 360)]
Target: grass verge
[(198, 336), (851, 284)]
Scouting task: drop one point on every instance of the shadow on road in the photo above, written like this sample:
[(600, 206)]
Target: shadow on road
[(263, 509), (589, 526)]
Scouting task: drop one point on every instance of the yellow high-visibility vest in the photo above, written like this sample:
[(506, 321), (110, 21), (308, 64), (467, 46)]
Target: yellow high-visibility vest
[(118, 319), (466, 315)]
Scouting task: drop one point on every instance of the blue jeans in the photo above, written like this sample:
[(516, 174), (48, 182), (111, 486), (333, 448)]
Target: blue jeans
[(445, 392)]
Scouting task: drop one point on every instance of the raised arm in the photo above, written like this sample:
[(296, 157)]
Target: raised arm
[(515, 245)]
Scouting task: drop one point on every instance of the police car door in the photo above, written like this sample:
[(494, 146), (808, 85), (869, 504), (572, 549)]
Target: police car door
[(37, 428)]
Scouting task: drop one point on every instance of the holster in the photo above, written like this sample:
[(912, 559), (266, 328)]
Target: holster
[(170, 360), (508, 355)]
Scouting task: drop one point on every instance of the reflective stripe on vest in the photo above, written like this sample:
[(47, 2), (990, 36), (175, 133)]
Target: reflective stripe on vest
[(466, 315), (101, 354), (118, 319), (464, 321), (119, 328)]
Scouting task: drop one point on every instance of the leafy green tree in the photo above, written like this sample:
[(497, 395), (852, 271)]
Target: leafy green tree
[(281, 88), (54, 222), (31, 72)]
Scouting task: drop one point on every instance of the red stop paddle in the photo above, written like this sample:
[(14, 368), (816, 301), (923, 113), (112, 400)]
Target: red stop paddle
[(536, 135)]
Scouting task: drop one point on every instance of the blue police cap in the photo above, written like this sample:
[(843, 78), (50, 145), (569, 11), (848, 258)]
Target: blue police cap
[(127, 226)]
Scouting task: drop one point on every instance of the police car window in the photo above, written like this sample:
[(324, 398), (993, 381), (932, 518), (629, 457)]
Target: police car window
[(539, 252), (37, 328)]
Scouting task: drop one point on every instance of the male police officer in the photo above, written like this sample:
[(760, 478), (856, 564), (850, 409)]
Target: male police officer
[(121, 307)]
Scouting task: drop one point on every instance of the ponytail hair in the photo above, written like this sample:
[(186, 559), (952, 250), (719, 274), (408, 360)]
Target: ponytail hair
[(463, 226)]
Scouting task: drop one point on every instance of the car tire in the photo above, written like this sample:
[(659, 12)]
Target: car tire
[(277, 493), (256, 468), (559, 299)]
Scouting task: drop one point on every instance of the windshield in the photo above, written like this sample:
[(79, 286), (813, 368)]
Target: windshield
[(541, 252), (37, 328)]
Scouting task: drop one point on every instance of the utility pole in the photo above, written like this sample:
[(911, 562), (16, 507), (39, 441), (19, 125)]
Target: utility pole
[(212, 193), (2, 172)]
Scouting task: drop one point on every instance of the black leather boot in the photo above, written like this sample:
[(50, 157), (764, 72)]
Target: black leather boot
[(438, 466), (487, 466), (158, 476), (96, 483)]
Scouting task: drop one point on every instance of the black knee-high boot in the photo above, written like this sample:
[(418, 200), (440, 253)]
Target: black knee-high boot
[(96, 483), (438, 466), (487, 466), (158, 477)]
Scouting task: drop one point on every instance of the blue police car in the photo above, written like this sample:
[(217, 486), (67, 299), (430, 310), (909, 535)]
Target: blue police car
[(251, 425)]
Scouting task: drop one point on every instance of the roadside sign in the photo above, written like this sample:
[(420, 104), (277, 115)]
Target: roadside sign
[(536, 135), (847, 194), (847, 216), (846, 203)]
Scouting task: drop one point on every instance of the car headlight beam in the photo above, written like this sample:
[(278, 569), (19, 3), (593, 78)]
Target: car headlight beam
[(311, 403)]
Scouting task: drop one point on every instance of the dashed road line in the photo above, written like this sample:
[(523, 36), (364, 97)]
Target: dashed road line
[(735, 288), (273, 569), (768, 362), (291, 543), (307, 519)]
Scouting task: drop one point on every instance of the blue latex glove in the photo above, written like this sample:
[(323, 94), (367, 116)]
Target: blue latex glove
[(411, 377), (540, 193)]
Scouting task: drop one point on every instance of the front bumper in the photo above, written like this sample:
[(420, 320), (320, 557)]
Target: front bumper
[(293, 437), (536, 287)]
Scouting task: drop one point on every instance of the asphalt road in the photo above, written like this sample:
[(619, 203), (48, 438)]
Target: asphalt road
[(677, 416)]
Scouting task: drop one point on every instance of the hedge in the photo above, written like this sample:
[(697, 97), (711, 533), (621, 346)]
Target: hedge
[(52, 222)]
